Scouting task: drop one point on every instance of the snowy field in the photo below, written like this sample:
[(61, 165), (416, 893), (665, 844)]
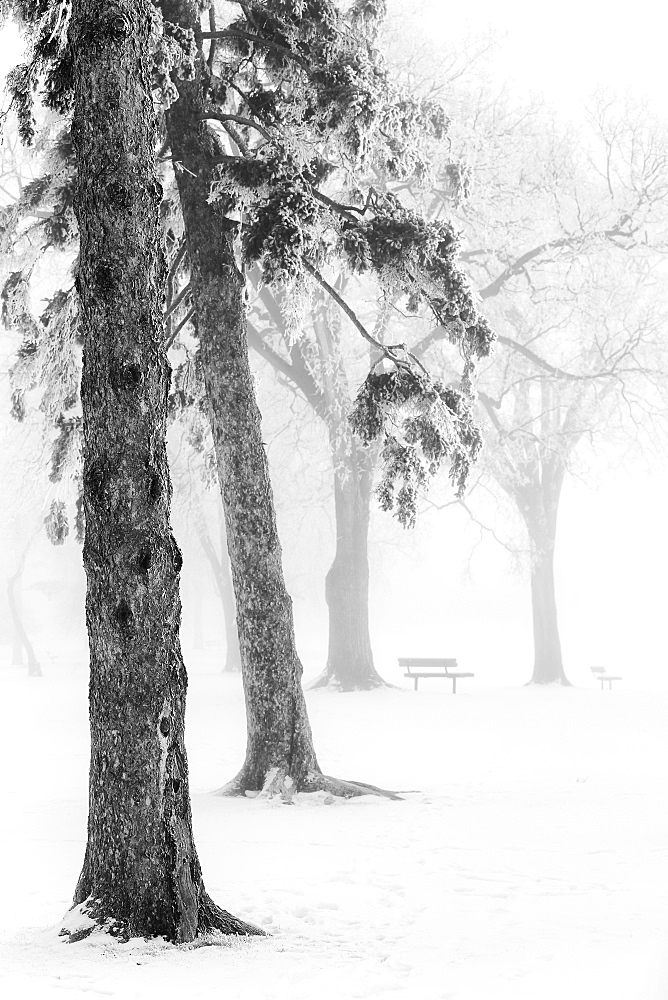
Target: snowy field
[(530, 862)]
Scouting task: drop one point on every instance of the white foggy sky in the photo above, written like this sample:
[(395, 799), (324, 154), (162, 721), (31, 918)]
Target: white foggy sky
[(569, 49), (565, 50)]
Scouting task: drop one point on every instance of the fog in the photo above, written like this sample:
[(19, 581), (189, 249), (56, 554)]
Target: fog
[(444, 588), (527, 855)]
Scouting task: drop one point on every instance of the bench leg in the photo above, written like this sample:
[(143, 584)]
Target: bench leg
[(454, 685), (416, 683)]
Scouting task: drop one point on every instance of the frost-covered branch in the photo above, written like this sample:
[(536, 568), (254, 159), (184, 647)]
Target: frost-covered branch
[(238, 119)]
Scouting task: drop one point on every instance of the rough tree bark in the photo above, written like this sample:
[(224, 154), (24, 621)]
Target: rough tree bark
[(280, 756), (539, 506), (141, 875)]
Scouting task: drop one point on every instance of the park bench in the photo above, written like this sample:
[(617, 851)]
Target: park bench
[(605, 678), (417, 667)]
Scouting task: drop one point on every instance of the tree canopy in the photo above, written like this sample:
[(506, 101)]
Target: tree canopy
[(310, 133)]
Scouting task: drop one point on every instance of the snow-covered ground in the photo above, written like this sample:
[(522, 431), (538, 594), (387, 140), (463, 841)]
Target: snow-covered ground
[(530, 862)]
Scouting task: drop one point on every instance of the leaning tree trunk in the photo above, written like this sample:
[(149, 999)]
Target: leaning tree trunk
[(280, 756), (350, 665), (141, 875), (539, 507), (20, 638)]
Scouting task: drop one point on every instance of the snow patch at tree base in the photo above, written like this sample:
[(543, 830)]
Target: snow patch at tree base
[(78, 924)]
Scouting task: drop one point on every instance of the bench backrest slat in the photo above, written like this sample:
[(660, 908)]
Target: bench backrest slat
[(427, 663)]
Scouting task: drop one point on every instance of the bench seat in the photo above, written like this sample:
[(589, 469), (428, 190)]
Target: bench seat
[(421, 666)]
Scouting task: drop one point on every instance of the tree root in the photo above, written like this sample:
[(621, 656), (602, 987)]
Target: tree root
[(556, 681), (351, 789), (325, 680), (213, 918), (278, 781), (85, 918)]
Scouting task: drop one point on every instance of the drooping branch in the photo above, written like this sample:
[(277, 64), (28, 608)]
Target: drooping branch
[(386, 350), (344, 306)]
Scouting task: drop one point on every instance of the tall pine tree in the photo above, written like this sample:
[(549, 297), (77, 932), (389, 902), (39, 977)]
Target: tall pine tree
[(141, 875)]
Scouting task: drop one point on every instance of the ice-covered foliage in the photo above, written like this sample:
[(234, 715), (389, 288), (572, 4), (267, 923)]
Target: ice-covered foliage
[(311, 117), (48, 64), (174, 52), (304, 113), (49, 359), (421, 423), (56, 523), (49, 67)]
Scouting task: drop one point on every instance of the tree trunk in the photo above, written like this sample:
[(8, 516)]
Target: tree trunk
[(223, 580), (17, 645), (280, 756), (20, 638), (548, 665), (141, 875), (232, 663), (350, 659), (350, 665), (197, 616), (539, 505)]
